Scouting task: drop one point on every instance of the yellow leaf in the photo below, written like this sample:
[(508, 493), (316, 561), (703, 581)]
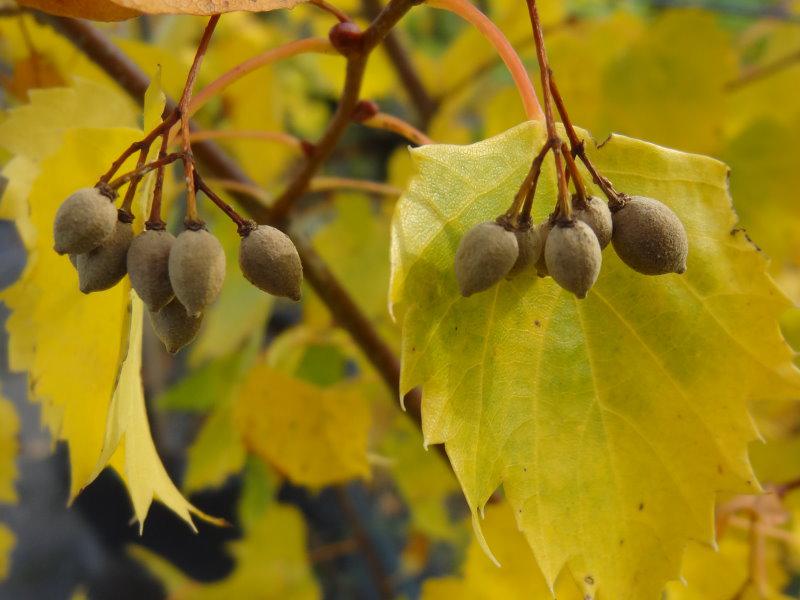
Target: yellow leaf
[(9, 447), (724, 574), (6, 546), (315, 436), (98, 10), (128, 444), (35, 130), (612, 422), (271, 563), (517, 578), (69, 343), (668, 92)]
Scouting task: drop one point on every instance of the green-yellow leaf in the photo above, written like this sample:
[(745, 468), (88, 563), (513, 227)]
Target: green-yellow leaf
[(611, 422), (315, 436)]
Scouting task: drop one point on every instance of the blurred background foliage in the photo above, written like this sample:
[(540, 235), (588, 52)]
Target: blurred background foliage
[(272, 419)]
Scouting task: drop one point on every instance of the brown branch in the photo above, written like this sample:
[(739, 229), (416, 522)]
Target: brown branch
[(341, 305), (357, 57), (424, 104), (325, 146)]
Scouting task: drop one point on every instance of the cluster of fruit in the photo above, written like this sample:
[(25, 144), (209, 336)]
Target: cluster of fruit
[(645, 233), (176, 277)]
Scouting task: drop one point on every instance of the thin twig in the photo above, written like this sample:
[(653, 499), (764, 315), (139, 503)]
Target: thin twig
[(242, 225), (492, 33), (523, 200), (399, 126), (138, 172), (192, 217), (268, 136), (577, 178), (368, 550), (318, 45), (323, 184), (331, 9), (130, 193), (143, 144)]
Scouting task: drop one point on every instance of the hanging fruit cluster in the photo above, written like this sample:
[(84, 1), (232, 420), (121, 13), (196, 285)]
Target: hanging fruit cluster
[(176, 277), (644, 232)]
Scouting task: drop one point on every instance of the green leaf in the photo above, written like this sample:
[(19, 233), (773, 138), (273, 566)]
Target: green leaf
[(611, 422)]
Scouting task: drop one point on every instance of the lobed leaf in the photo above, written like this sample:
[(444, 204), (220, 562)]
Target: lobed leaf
[(612, 422)]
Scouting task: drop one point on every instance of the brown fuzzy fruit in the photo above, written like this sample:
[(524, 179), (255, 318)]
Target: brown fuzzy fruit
[(541, 264), (270, 262), (597, 216), (83, 221), (649, 237), (485, 255), (174, 326), (530, 245), (573, 256), (148, 267), (196, 269), (105, 266)]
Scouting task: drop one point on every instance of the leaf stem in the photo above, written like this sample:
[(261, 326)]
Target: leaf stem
[(492, 33), (130, 193), (577, 179), (143, 144), (243, 226), (564, 205), (397, 125), (519, 214), (183, 111), (578, 149), (330, 8), (268, 136), (154, 221), (294, 48), (138, 172)]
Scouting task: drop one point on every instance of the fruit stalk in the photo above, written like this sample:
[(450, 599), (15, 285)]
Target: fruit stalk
[(242, 225), (183, 111), (154, 221), (144, 169), (565, 207), (578, 148)]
